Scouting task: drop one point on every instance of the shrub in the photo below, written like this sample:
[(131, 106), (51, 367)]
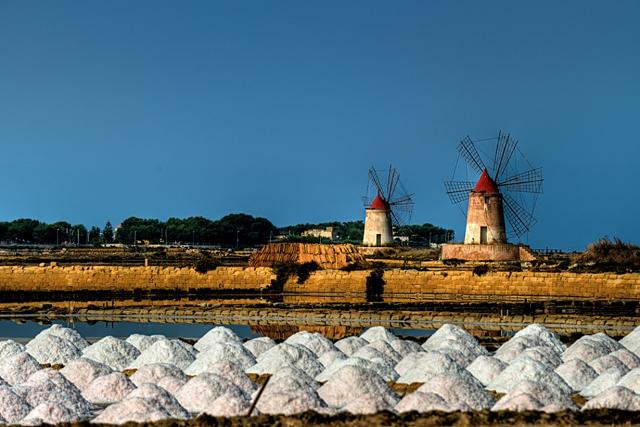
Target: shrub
[(205, 264), (375, 285)]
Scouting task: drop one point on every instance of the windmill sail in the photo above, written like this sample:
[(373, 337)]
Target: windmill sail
[(468, 151), (519, 218), (525, 182), (458, 191)]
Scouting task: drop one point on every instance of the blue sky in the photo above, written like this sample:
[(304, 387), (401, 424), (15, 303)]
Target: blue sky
[(277, 108)]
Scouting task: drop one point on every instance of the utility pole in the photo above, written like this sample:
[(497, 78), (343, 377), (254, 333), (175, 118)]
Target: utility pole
[(193, 237)]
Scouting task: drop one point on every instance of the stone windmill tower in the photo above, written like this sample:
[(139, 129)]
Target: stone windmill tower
[(391, 206), (507, 189)]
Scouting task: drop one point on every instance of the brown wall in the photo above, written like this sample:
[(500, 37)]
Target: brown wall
[(493, 252), (523, 284), (101, 278)]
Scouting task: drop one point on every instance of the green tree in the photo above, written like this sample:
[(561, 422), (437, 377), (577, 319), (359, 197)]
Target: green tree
[(107, 233), (94, 236)]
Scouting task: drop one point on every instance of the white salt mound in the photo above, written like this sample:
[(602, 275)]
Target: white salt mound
[(378, 333), (604, 363), (486, 368), (113, 352), (48, 348), (142, 342), (219, 334), (371, 353), (632, 341), (9, 348), (290, 391), (283, 355), (221, 352), (631, 380), (51, 413), (405, 347), (16, 369), (108, 389), (165, 351), (350, 345), (577, 373), (459, 389), (527, 369), (50, 386), (541, 333), (385, 348), (590, 347), (545, 355), (167, 376), (138, 410), (203, 389), (518, 402), (315, 342), (81, 372), (330, 357), (66, 333), (233, 373), (449, 338), (545, 393), (13, 408), (408, 361), (257, 346), (603, 381), (627, 357), (380, 367), (162, 396), (422, 402), (511, 349), (428, 366), (230, 405), (367, 404), (351, 382), (616, 397)]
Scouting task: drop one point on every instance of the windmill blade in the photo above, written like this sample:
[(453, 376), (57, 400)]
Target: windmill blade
[(519, 218), (394, 178), (504, 151), (468, 151), (373, 176), (401, 215), (458, 191), (525, 182), (403, 200)]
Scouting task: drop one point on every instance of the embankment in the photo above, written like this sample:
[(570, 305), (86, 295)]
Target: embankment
[(394, 282)]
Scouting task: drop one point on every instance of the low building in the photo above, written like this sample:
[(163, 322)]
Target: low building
[(324, 233)]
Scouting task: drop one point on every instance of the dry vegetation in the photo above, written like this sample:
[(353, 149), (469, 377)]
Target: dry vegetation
[(609, 255)]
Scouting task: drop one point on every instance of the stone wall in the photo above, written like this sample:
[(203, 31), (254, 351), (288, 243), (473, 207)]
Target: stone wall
[(326, 256), (103, 278), (506, 284), (492, 252)]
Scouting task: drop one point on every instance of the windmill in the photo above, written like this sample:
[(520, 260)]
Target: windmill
[(391, 205), (507, 187)]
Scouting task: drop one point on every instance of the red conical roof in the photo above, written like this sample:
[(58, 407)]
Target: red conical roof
[(379, 203), (486, 184)]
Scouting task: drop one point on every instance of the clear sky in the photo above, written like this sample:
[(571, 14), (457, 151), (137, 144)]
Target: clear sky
[(277, 108)]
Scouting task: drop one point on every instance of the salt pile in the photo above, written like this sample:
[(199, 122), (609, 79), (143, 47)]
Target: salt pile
[(616, 397), (113, 352), (380, 367), (230, 405), (631, 380), (544, 393), (632, 341), (590, 347), (203, 389), (17, 369), (167, 376), (486, 368), (367, 404), (50, 413), (455, 342), (143, 342), (350, 345), (424, 402), (459, 389), (163, 397), (576, 373), (378, 333), (46, 348), (81, 372), (233, 373), (603, 381), (172, 352), (108, 389), (290, 391), (257, 346), (627, 357), (222, 352), (13, 408), (527, 369), (219, 334), (385, 348), (518, 402), (352, 382), (604, 363), (67, 333), (9, 348), (136, 409), (373, 354), (407, 362), (283, 355), (545, 355), (315, 342), (427, 366), (542, 335), (48, 386), (405, 347), (330, 357)]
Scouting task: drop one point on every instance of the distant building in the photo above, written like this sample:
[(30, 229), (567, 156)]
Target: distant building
[(325, 233)]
